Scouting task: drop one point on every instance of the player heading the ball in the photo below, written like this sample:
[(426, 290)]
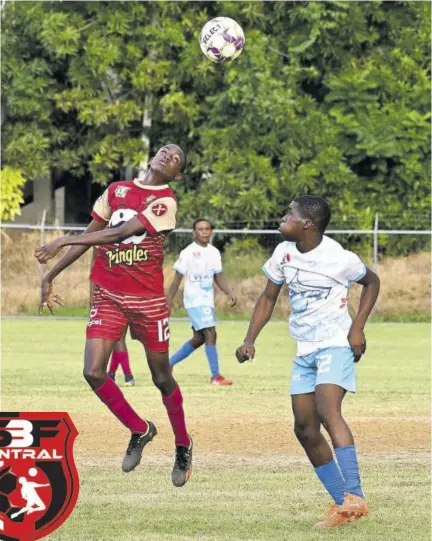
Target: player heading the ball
[(130, 219)]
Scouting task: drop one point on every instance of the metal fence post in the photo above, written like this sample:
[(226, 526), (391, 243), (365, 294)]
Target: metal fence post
[(42, 240), (375, 256), (375, 245)]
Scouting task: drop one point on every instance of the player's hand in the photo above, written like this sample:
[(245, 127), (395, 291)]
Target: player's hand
[(357, 341), (169, 303), (47, 252), (246, 352), (232, 300), (48, 297)]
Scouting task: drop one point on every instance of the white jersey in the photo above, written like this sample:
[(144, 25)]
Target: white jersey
[(198, 264), (318, 283)]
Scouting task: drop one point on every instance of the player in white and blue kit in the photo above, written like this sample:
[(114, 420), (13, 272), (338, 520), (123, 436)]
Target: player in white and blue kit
[(318, 273), (200, 265)]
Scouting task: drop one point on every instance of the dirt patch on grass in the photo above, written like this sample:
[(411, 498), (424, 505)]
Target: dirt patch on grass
[(249, 437)]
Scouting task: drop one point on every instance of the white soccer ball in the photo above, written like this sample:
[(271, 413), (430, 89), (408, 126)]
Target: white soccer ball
[(222, 39), (121, 216)]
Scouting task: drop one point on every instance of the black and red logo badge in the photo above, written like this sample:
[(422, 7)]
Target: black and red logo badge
[(38, 478)]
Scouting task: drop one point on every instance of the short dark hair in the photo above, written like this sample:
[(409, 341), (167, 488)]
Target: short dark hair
[(201, 220), (316, 209)]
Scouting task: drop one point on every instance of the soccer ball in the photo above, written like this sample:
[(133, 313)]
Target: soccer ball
[(120, 217), (222, 39), (8, 484)]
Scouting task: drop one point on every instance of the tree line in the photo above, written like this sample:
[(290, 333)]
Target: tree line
[(327, 97)]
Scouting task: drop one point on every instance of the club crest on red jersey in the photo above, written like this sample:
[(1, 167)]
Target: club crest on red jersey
[(159, 209), (38, 478), (121, 191)]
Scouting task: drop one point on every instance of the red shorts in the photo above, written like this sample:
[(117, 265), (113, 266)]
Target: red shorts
[(147, 318)]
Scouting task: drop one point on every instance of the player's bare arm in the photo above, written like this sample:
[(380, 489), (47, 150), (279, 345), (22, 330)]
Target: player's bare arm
[(107, 236), (173, 289), (356, 336), (48, 297), (224, 286), (261, 315)]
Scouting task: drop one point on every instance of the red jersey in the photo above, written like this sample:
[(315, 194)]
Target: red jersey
[(135, 266)]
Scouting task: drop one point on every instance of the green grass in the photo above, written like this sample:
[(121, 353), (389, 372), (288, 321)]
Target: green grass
[(247, 485)]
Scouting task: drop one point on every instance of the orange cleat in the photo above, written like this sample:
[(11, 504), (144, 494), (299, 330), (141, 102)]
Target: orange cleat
[(220, 380), (354, 507), (332, 519)]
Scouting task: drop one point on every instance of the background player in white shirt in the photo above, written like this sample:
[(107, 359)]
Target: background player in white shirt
[(318, 272), (200, 264)]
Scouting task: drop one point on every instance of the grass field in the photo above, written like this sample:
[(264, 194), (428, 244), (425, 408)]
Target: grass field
[(251, 481)]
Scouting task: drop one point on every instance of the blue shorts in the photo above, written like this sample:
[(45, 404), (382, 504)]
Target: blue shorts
[(329, 365), (201, 317)]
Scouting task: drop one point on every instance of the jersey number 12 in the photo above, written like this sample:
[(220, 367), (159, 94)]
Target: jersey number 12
[(163, 330)]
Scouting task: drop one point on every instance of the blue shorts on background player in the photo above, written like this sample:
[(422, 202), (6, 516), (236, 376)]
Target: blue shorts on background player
[(200, 265), (318, 273)]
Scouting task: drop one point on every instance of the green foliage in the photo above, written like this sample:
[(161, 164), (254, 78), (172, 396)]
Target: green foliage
[(327, 97), (12, 182)]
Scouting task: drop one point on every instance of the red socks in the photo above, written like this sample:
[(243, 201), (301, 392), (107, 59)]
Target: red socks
[(113, 398), (114, 363), (174, 407), (120, 358), (124, 363)]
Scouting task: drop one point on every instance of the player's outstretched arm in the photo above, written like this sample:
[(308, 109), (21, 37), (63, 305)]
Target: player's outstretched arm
[(368, 298), (261, 315), (73, 253), (173, 289), (224, 286), (48, 297), (107, 236)]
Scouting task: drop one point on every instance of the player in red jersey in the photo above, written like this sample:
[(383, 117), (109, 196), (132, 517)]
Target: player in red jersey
[(130, 221)]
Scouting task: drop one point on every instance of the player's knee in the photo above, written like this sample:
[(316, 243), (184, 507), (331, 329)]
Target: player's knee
[(197, 340), (306, 434), (94, 376), (163, 381), (210, 336), (329, 418)]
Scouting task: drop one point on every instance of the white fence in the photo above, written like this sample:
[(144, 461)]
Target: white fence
[(375, 232)]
